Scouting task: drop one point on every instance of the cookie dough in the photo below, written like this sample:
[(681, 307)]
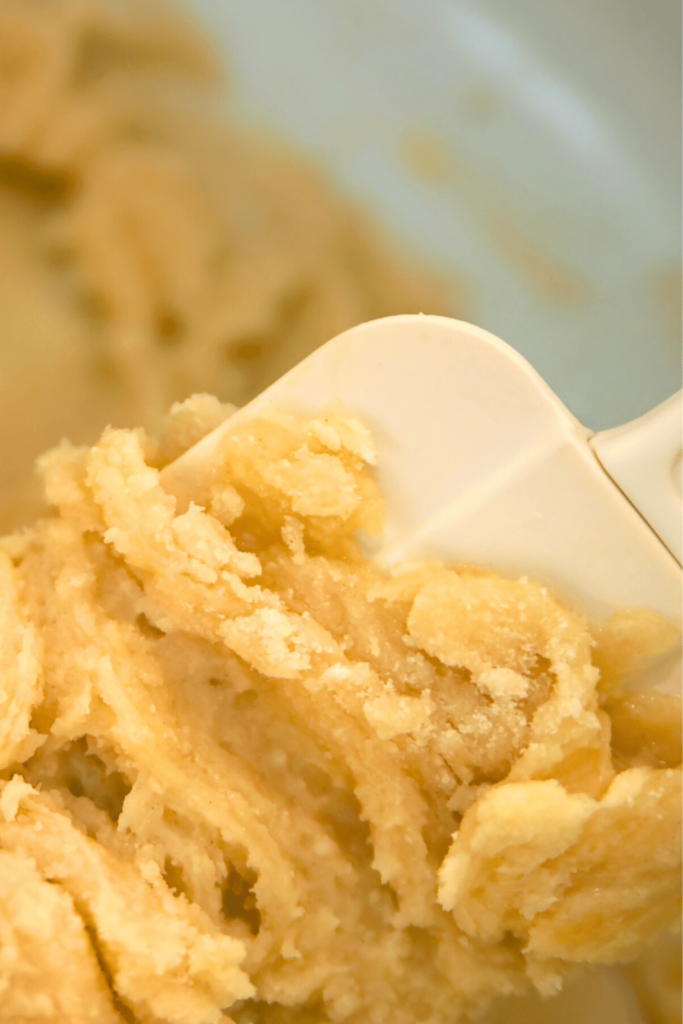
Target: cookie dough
[(148, 247), (251, 778)]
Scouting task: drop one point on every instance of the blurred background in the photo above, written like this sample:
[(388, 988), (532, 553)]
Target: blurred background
[(193, 197), (528, 149)]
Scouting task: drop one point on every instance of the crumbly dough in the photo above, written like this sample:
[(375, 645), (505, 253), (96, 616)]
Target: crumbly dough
[(147, 248), (247, 777)]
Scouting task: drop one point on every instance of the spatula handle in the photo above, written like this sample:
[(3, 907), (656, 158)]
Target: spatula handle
[(643, 458)]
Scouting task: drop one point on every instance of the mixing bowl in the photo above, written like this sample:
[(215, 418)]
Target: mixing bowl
[(528, 149)]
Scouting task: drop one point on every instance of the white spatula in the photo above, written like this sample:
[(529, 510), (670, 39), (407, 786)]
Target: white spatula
[(479, 461)]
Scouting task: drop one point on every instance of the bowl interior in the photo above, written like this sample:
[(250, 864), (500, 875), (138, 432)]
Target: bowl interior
[(525, 149)]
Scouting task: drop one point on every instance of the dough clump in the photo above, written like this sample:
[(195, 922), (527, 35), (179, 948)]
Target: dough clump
[(246, 776)]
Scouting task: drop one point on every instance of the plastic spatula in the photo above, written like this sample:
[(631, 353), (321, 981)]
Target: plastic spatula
[(479, 461)]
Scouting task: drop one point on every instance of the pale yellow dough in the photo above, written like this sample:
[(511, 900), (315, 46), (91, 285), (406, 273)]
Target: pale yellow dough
[(242, 776), (247, 777)]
